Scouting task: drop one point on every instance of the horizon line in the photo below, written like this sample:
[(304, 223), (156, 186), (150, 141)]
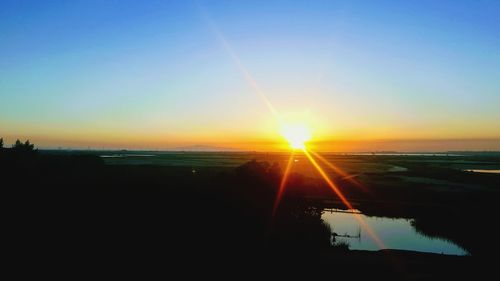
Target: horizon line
[(270, 151)]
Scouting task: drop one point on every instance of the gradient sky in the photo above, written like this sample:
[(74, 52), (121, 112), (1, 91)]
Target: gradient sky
[(161, 74)]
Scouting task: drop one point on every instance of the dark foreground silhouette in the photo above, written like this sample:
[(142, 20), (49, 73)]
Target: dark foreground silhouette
[(70, 212)]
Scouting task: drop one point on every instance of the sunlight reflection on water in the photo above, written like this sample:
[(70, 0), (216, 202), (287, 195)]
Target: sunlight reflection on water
[(484, 171), (395, 233)]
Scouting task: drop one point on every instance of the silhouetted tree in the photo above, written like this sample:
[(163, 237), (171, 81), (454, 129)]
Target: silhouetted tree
[(25, 147), (29, 146), (18, 144), (19, 155), (1, 143)]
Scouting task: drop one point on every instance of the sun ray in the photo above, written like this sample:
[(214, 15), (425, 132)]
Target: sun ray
[(239, 64), (283, 183), (328, 180), (346, 202), (339, 171)]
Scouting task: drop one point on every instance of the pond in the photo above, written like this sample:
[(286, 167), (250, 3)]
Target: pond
[(126, 155), (484, 171), (395, 233)]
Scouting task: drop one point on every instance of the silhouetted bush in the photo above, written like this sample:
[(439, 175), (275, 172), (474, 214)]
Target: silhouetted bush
[(341, 246)]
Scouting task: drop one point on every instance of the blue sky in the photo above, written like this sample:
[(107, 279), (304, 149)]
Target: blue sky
[(154, 73)]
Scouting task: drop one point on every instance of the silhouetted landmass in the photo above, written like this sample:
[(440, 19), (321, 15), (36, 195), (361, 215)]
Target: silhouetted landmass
[(74, 207)]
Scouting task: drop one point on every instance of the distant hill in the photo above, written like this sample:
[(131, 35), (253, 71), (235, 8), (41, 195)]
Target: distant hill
[(204, 148)]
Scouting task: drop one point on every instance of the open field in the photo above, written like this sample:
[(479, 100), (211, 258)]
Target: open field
[(197, 203)]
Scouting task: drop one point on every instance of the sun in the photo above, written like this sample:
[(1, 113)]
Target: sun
[(296, 135)]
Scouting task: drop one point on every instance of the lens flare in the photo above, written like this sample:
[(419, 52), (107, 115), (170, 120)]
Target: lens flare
[(346, 202), (284, 180), (344, 175)]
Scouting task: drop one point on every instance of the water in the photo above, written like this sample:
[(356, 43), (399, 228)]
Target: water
[(484, 171), (126, 155), (403, 154), (394, 233), (397, 169)]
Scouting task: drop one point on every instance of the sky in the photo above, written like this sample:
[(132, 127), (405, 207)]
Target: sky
[(363, 75)]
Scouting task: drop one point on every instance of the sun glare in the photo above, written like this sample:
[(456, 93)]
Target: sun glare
[(296, 135)]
